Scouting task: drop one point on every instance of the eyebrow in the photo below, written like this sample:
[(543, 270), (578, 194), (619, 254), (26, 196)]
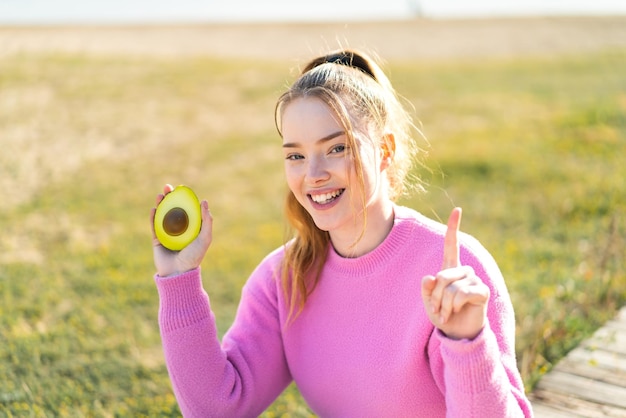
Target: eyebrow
[(321, 140)]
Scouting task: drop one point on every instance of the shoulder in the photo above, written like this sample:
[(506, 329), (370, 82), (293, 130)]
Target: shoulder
[(428, 234), (425, 232), (270, 266), (266, 277), (405, 216)]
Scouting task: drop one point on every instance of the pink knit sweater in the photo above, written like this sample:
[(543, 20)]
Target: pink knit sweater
[(362, 347)]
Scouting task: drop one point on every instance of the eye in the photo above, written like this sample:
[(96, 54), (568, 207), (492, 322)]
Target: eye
[(293, 157), (339, 148)]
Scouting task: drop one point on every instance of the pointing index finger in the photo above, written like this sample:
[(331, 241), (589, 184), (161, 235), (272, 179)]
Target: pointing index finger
[(451, 257)]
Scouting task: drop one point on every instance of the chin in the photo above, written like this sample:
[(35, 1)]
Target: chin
[(322, 225), (331, 224)]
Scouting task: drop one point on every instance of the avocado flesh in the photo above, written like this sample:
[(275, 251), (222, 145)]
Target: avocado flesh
[(178, 218)]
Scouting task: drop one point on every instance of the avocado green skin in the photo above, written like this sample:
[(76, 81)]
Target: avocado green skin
[(181, 197)]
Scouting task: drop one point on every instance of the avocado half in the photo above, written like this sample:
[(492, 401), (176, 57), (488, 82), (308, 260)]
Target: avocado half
[(178, 218)]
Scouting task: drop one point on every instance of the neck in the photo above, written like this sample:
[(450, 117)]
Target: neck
[(356, 241)]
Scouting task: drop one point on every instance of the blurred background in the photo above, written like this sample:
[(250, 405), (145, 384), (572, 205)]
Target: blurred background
[(101, 103), (120, 11)]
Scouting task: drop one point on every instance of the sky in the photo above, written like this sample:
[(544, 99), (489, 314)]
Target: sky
[(193, 11)]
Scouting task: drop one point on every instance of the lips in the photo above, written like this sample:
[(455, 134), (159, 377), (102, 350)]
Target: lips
[(326, 198)]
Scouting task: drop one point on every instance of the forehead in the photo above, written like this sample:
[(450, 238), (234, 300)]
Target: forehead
[(308, 119)]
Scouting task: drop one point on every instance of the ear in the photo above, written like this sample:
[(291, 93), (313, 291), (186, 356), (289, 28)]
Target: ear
[(387, 150)]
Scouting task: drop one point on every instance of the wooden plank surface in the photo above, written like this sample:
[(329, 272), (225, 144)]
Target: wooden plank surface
[(590, 381)]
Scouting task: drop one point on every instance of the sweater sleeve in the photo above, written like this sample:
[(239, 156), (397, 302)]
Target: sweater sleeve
[(479, 377), (241, 376)]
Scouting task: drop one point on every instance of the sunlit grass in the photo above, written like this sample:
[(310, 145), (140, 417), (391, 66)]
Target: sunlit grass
[(532, 149), (534, 152)]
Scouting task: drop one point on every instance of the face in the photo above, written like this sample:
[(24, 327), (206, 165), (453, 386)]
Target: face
[(320, 171)]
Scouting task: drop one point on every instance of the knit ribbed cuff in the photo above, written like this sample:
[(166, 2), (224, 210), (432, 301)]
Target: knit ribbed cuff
[(183, 301), (470, 364)]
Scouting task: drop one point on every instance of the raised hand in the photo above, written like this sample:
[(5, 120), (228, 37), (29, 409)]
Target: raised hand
[(169, 262), (455, 299)]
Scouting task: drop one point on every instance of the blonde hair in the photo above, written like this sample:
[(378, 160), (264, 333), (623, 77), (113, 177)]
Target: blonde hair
[(357, 91)]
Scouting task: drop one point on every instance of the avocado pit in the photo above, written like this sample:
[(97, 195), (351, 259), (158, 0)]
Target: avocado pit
[(176, 222)]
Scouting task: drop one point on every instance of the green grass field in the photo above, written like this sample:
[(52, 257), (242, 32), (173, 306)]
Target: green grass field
[(532, 149)]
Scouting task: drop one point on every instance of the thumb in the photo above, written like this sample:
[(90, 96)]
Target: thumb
[(451, 257), (206, 229), (428, 285)]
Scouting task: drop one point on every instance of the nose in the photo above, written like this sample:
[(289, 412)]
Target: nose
[(317, 171)]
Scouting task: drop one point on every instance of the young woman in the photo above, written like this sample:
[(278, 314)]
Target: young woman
[(372, 309)]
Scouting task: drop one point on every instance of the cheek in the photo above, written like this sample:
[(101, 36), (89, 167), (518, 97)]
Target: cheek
[(371, 174), (292, 177)]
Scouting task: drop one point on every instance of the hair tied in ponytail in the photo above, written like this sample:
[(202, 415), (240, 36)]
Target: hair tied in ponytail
[(344, 57)]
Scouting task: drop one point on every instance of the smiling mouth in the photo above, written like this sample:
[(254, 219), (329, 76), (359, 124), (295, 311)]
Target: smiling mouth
[(325, 198)]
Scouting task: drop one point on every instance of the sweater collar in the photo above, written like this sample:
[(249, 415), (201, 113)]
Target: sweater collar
[(385, 253)]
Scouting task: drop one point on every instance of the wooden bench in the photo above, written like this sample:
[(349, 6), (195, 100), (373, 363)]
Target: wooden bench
[(590, 381)]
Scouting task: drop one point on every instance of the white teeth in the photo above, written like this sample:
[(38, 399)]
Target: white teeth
[(325, 197)]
